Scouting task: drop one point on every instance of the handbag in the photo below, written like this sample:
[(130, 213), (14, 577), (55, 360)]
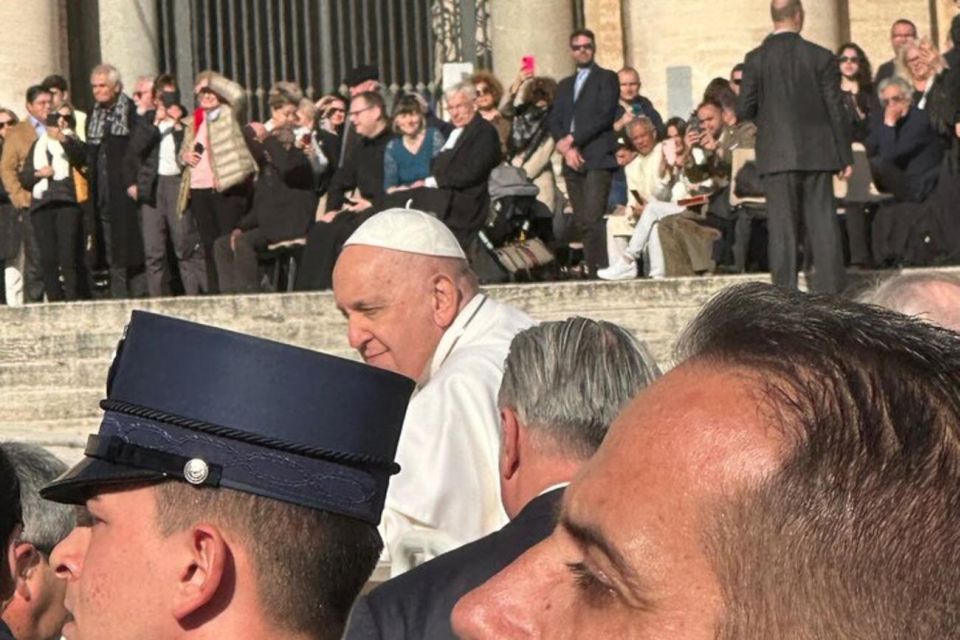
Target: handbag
[(524, 255)]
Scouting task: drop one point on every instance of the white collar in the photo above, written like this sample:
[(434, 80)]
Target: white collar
[(452, 335), (559, 485)]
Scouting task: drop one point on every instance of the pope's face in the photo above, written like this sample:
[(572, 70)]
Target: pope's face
[(388, 308), (118, 571), (627, 560)]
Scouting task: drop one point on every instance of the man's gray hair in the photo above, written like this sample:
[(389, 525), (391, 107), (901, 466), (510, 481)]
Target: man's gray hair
[(45, 523), (466, 88), (899, 82), (110, 72), (934, 297), (641, 121), (568, 380)]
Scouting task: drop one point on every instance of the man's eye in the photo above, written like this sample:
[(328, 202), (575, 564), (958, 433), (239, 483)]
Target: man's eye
[(597, 592)]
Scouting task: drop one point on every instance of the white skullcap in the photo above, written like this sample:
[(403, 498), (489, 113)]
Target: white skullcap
[(408, 230)]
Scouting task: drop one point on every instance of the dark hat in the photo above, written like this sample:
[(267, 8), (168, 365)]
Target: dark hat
[(362, 73), (216, 408)]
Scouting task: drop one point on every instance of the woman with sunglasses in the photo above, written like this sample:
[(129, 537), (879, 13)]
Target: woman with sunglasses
[(489, 94), (857, 88)]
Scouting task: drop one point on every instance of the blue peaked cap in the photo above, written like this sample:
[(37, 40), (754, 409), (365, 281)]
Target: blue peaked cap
[(216, 408)]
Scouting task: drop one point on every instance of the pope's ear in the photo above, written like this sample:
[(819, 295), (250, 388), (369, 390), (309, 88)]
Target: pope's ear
[(446, 300), (205, 559)]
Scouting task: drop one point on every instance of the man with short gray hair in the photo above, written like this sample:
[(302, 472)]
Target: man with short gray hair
[(563, 384), (36, 611), (932, 297)]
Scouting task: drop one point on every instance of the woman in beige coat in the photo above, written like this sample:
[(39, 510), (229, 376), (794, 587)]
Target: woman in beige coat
[(219, 168)]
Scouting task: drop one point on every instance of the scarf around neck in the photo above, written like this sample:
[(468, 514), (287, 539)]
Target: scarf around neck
[(112, 119)]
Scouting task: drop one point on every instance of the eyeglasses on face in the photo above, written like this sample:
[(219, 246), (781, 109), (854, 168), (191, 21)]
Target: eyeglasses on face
[(582, 47), (359, 111), (483, 91), (848, 59), (895, 99), (736, 80), (3, 125)]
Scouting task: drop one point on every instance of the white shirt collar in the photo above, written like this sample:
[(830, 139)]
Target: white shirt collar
[(452, 335), (559, 485)]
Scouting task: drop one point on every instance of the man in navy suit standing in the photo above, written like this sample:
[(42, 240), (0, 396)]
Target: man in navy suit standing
[(582, 124)]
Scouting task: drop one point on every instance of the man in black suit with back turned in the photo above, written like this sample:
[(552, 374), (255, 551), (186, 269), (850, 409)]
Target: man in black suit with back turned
[(791, 89), (581, 122), (594, 368)]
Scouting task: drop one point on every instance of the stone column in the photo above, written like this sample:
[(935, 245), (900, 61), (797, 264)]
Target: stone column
[(130, 38), (34, 46), (698, 40), (538, 28), (605, 19)]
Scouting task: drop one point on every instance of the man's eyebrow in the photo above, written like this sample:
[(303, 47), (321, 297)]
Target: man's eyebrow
[(591, 536)]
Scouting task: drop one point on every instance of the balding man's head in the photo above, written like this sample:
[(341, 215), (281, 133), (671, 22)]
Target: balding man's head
[(399, 304), (787, 13), (933, 297)]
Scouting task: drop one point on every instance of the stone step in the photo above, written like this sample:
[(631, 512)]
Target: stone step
[(25, 406), (62, 372)]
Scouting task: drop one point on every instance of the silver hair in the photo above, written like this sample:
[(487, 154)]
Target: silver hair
[(899, 82), (919, 294), (111, 73), (45, 523), (568, 380), (466, 88), (641, 121)]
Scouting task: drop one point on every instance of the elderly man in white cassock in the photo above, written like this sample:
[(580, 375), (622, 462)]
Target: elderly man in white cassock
[(414, 307)]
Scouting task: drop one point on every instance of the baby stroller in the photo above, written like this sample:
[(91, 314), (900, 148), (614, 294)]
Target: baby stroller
[(517, 233)]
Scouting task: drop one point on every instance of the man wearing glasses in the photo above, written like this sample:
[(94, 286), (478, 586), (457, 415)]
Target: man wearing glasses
[(581, 122), (36, 609)]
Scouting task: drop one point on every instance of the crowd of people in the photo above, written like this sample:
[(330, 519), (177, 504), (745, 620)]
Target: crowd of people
[(148, 197), (479, 474)]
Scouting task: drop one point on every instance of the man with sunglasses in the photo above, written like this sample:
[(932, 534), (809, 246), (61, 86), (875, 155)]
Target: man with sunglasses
[(36, 610), (581, 122)]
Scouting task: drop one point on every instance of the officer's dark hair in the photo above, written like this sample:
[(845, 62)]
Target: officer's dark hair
[(856, 535), (11, 515), (310, 565), (35, 92)]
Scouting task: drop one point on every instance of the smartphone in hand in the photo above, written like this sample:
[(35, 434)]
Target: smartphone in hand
[(198, 148), (528, 64)]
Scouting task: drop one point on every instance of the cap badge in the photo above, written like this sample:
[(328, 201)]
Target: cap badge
[(196, 471)]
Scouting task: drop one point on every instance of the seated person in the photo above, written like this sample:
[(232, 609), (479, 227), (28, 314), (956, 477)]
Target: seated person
[(456, 190), (905, 157), (406, 160), (657, 177), (718, 134), (284, 199), (356, 192)]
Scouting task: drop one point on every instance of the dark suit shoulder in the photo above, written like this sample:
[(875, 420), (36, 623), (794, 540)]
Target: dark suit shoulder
[(418, 603)]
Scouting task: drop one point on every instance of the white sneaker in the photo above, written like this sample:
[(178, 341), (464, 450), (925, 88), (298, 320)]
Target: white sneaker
[(620, 270)]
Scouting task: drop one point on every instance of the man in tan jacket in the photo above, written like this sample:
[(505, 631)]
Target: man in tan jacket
[(24, 270)]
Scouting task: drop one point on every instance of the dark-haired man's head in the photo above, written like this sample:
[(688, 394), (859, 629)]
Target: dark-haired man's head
[(711, 118), (583, 47), (368, 114), (902, 32), (58, 88), (794, 477), (36, 611), (736, 77), (11, 521), (39, 102)]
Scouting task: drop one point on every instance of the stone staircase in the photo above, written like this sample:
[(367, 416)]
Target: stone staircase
[(54, 357)]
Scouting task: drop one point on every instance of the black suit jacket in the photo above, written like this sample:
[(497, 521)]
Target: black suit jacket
[(791, 89), (417, 605), (884, 71), (462, 173), (593, 114)]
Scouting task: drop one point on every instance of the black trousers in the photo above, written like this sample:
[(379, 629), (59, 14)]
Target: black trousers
[(800, 206), (324, 242), (125, 282), (57, 229), (588, 193), (32, 270), (216, 214), (237, 267)]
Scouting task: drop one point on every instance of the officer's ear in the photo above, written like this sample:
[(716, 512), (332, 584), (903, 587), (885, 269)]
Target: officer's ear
[(207, 567)]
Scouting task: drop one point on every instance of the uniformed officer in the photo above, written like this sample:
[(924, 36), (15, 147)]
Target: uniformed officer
[(234, 488)]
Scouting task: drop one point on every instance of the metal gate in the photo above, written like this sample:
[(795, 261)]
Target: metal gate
[(316, 42)]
